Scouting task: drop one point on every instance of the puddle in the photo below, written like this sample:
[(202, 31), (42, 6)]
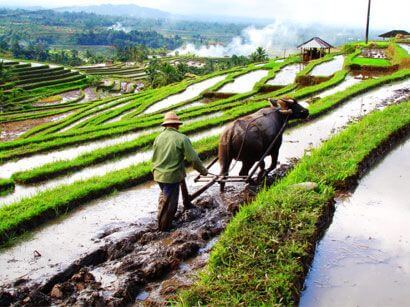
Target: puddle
[(286, 75), (83, 224), (328, 68), (190, 92), (244, 83), (363, 259)]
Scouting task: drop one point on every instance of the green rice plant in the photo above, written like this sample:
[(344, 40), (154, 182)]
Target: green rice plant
[(264, 254), (6, 186)]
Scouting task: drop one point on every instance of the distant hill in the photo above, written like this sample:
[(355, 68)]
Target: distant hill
[(130, 10)]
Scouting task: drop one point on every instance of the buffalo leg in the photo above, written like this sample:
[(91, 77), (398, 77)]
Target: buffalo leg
[(246, 166), (224, 172), (261, 173), (274, 157)]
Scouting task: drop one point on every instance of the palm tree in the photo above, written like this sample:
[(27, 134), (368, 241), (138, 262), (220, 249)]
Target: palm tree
[(259, 55)]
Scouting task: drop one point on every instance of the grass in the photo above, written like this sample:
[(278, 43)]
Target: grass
[(63, 167), (56, 201), (362, 61), (263, 256), (6, 186)]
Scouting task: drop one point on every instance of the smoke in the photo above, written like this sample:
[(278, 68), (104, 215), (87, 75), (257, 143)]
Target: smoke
[(274, 38)]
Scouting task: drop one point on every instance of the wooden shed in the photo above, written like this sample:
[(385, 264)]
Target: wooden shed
[(314, 48)]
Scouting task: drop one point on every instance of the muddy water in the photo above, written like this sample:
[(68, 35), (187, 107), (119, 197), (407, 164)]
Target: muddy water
[(7, 169), (347, 82), (97, 111), (21, 191), (405, 47), (77, 234), (364, 257), (328, 68), (191, 105), (286, 75), (19, 260), (244, 83), (191, 92)]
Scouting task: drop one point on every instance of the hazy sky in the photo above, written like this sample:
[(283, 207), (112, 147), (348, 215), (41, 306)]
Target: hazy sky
[(385, 13)]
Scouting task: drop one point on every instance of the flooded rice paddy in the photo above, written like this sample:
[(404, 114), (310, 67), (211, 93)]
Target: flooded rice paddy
[(328, 68), (20, 261), (244, 83), (286, 75), (191, 92), (364, 257), (405, 47)]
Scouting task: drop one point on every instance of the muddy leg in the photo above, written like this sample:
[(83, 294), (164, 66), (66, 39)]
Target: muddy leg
[(185, 195), (168, 203), (261, 173), (274, 157), (246, 166), (224, 172)]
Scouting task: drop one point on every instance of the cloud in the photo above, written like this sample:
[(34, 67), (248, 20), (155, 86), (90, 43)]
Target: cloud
[(274, 38)]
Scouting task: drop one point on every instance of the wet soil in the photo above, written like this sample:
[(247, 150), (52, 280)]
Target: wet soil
[(12, 130), (146, 265)]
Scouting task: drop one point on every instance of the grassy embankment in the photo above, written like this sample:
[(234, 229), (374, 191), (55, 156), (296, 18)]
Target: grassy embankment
[(54, 169), (264, 254), (30, 212), (6, 186)]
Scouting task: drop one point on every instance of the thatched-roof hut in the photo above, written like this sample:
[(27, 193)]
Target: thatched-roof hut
[(394, 33), (314, 48)]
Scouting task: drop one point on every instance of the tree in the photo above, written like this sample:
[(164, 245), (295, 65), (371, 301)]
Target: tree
[(259, 55)]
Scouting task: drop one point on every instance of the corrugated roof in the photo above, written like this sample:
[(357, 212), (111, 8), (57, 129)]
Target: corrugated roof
[(393, 33), (315, 42)]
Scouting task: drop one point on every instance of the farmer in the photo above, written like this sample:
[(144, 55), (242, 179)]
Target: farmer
[(170, 149)]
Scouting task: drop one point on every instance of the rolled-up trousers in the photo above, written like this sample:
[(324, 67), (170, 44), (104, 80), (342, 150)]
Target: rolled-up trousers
[(168, 202)]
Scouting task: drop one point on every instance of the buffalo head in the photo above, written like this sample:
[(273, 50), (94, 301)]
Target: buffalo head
[(291, 107)]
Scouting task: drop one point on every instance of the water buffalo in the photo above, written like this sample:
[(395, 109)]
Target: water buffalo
[(248, 138)]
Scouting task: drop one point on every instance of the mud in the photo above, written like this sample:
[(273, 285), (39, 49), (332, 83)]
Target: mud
[(363, 259), (144, 265), (12, 130), (67, 234), (244, 83), (286, 75), (328, 68), (191, 92)]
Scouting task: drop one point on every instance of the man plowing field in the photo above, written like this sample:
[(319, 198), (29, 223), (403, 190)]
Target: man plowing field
[(170, 149)]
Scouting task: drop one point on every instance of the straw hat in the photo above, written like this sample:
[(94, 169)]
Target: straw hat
[(171, 118)]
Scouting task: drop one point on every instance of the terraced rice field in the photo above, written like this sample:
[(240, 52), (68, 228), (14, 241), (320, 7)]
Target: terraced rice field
[(83, 187)]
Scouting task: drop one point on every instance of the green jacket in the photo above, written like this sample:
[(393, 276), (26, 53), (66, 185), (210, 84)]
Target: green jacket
[(170, 149)]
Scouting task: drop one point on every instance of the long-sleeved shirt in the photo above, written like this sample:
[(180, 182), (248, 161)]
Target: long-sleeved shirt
[(170, 149)]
